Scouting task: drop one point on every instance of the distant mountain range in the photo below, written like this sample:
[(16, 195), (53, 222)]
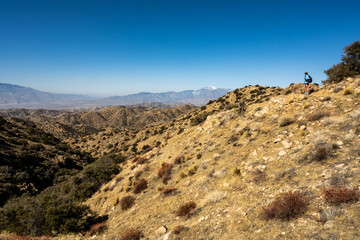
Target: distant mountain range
[(14, 96)]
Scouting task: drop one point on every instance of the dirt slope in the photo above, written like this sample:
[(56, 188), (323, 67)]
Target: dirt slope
[(234, 164)]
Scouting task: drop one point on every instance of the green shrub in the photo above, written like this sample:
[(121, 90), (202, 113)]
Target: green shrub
[(349, 65), (45, 214), (199, 118)]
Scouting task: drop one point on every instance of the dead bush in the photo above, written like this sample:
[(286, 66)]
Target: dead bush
[(168, 190), (179, 159), (141, 160), (140, 186), (138, 173), (286, 121), (185, 210), (341, 194), (165, 172), (320, 153), (97, 228), (233, 138), (127, 202), (178, 229), (259, 176), (287, 205), (131, 234), (318, 115)]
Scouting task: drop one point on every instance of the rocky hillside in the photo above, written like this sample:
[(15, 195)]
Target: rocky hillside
[(65, 124), (258, 163)]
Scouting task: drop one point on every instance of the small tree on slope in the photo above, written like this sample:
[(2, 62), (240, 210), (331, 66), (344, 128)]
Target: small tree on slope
[(349, 65)]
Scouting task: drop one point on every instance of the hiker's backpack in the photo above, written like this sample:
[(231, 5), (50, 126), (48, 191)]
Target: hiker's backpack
[(310, 79)]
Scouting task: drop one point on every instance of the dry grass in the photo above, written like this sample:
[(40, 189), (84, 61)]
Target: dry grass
[(318, 115), (26, 238), (341, 194), (97, 228), (127, 202), (348, 91), (169, 190), (165, 172), (287, 205), (140, 186), (185, 210), (131, 234), (286, 121)]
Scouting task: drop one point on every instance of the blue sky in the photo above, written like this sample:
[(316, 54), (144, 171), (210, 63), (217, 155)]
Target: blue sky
[(103, 47)]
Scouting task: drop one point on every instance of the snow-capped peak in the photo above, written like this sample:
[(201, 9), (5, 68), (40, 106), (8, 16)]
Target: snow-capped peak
[(210, 88)]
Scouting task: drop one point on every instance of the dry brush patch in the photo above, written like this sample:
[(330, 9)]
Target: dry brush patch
[(26, 238), (320, 153), (131, 234), (318, 115), (179, 159), (341, 194), (97, 228), (127, 202), (140, 160), (165, 172), (286, 121), (169, 190), (141, 185), (287, 205), (138, 173), (178, 229), (185, 210), (259, 176)]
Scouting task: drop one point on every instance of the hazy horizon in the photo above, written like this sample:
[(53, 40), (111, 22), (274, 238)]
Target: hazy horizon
[(108, 48)]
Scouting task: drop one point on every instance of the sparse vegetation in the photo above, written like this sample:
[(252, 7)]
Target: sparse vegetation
[(199, 118), (318, 115), (320, 153), (259, 176), (177, 230), (137, 174), (141, 185), (169, 190), (237, 171), (179, 159), (141, 160), (165, 172), (130, 234), (286, 121), (233, 138), (97, 228), (341, 194), (127, 202), (185, 210), (287, 205), (348, 91)]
